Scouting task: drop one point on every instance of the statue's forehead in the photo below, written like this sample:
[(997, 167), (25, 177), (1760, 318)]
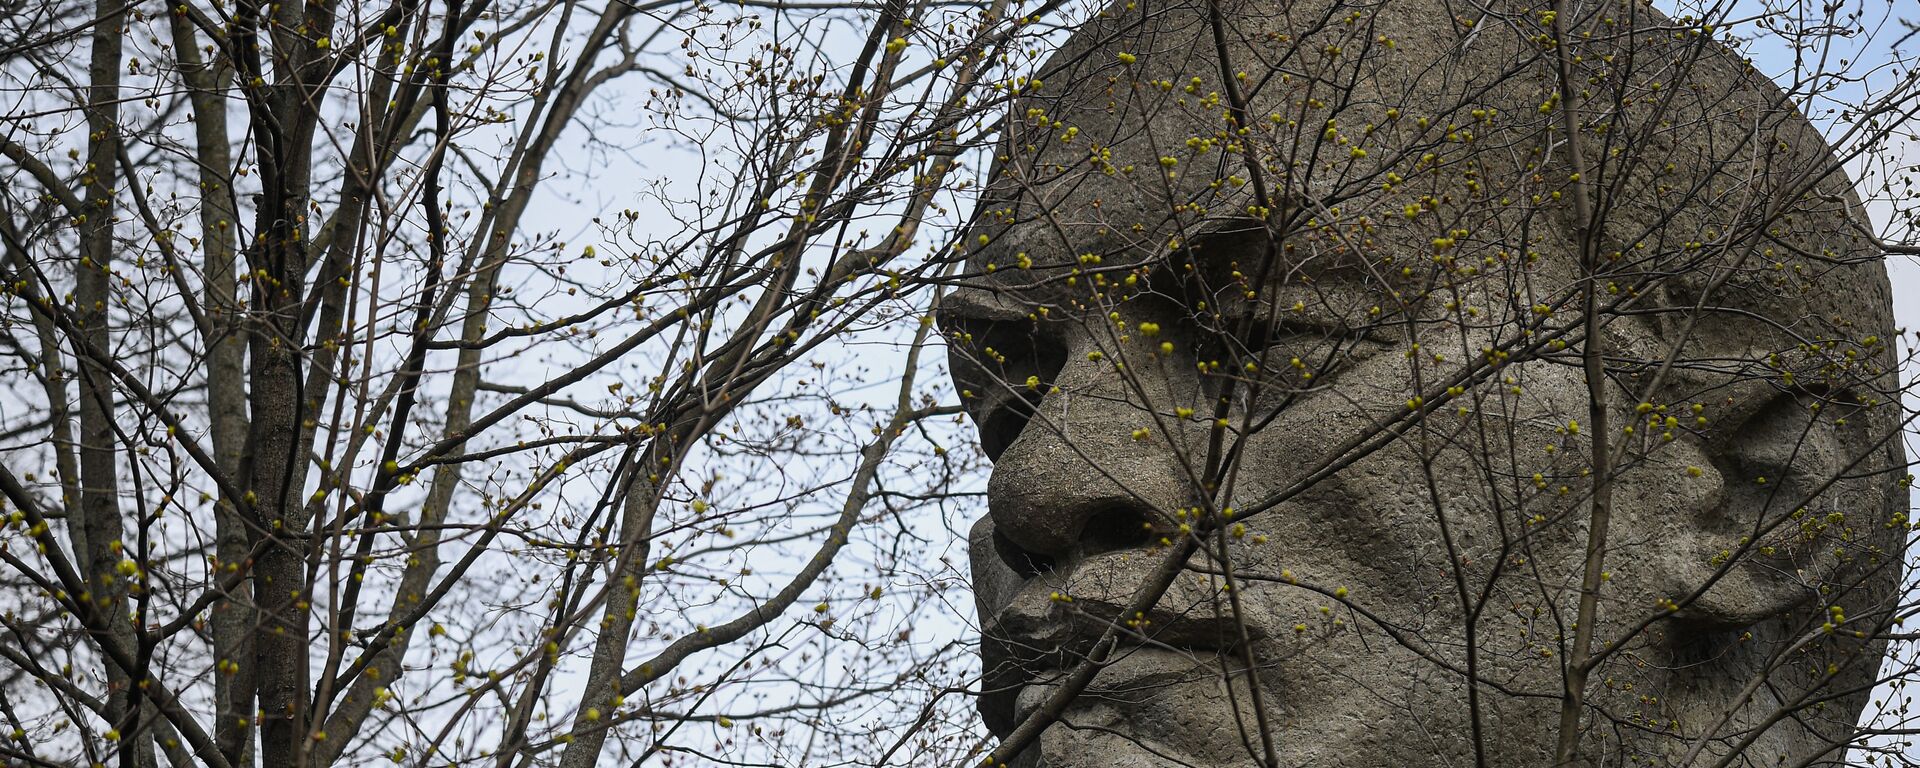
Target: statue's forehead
[(1230, 266), (1012, 252), (1079, 172)]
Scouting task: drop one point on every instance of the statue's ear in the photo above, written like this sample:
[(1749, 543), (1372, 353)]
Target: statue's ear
[(1802, 495)]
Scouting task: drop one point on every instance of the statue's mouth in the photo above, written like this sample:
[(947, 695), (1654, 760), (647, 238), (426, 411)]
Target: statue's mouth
[(1131, 677), (1054, 621)]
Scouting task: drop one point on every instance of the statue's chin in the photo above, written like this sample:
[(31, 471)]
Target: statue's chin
[(1084, 749), (1095, 739), (1150, 708)]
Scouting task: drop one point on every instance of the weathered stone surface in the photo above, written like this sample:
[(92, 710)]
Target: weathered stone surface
[(1726, 275)]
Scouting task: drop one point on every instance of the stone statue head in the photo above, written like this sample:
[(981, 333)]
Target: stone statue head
[(1345, 291)]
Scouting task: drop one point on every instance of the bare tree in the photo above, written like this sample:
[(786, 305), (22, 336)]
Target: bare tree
[(479, 382), (556, 383)]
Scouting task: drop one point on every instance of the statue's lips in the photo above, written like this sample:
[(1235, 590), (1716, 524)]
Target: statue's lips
[(1134, 675), (1055, 619)]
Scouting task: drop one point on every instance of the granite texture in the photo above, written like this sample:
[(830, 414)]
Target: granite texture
[(1728, 260)]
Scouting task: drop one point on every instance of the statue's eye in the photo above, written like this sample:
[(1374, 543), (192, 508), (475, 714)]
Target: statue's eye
[(1790, 463), (1794, 437), (1285, 356), (1302, 357), (1009, 367)]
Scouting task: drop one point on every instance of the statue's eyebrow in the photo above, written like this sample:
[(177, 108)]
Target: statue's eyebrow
[(1329, 292), (1214, 254), (1169, 268), (979, 304)]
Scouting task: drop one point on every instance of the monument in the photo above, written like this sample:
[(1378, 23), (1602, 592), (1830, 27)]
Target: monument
[(1428, 327)]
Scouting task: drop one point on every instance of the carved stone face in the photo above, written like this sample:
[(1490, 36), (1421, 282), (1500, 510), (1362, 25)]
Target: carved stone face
[(1382, 379)]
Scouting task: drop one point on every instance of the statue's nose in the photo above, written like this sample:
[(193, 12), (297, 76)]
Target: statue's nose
[(1078, 480)]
